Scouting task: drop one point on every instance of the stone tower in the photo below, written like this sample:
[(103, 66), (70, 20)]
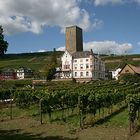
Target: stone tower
[(74, 39)]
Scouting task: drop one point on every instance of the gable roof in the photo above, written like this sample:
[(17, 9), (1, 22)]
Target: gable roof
[(135, 69)]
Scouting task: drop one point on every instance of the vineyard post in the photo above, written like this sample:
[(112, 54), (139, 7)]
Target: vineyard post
[(11, 105), (130, 120), (49, 112), (40, 108), (80, 111)]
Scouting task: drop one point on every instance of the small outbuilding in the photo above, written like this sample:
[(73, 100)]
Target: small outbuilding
[(130, 69)]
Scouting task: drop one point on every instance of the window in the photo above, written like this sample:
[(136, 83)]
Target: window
[(81, 66), (86, 60), (81, 60), (75, 74), (87, 73), (66, 66), (75, 60), (81, 73), (75, 66), (87, 66)]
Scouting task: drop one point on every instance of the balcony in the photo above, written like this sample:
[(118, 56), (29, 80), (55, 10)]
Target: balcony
[(68, 70)]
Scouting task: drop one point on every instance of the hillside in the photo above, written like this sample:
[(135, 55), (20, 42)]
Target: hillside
[(37, 60), (113, 62)]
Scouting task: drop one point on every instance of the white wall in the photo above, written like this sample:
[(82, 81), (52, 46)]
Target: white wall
[(90, 67)]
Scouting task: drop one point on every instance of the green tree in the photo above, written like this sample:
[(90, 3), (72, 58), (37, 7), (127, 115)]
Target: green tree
[(54, 57), (3, 43), (49, 71)]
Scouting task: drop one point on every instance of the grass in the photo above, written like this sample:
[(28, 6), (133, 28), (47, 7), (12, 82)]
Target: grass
[(30, 129), (119, 120), (37, 60), (26, 125), (69, 118)]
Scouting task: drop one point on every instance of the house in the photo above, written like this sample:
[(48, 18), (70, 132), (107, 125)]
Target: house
[(23, 73), (79, 64), (115, 73), (58, 73), (8, 74), (128, 68)]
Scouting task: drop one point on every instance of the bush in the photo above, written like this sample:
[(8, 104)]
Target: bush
[(133, 78)]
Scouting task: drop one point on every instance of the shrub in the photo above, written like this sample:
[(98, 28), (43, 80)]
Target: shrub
[(133, 78)]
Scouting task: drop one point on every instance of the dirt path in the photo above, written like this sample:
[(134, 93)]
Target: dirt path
[(30, 129)]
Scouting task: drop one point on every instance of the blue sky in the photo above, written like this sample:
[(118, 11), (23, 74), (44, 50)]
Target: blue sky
[(109, 26)]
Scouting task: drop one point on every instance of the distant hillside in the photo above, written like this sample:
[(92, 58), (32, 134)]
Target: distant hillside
[(113, 62), (36, 61)]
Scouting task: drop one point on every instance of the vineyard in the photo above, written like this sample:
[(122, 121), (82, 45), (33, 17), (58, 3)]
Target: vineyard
[(81, 105)]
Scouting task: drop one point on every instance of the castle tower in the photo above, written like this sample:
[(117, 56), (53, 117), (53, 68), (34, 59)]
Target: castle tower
[(74, 39)]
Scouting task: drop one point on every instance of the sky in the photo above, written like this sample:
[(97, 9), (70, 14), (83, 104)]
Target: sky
[(109, 26)]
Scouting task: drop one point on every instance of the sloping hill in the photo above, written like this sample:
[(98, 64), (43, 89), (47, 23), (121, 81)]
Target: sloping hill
[(36, 61), (113, 62)]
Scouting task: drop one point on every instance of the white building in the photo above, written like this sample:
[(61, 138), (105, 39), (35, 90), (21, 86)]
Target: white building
[(79, 64), (115, 73), (23, 73), (82, 66)]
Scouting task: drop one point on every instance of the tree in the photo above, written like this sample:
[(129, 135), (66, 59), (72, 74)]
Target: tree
[(54, 58), (49, 71), (3, 43)]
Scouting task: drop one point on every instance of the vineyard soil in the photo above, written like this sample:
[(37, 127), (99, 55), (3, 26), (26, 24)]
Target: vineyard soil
[(30, 129)]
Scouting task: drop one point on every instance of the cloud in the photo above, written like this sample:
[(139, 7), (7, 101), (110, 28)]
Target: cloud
[(61, 48), (105, 47), (137, 1), (108, 47), (105, 2), (42, 50), (138, 43), (33, 15)]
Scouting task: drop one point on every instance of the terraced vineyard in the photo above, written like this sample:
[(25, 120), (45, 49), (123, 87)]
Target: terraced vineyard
[(38, 60), (78, 105), (88, 102)]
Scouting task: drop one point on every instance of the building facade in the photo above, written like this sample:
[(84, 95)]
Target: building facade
[(82, 65), (8, 74), (23, 73), (79, 64)]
